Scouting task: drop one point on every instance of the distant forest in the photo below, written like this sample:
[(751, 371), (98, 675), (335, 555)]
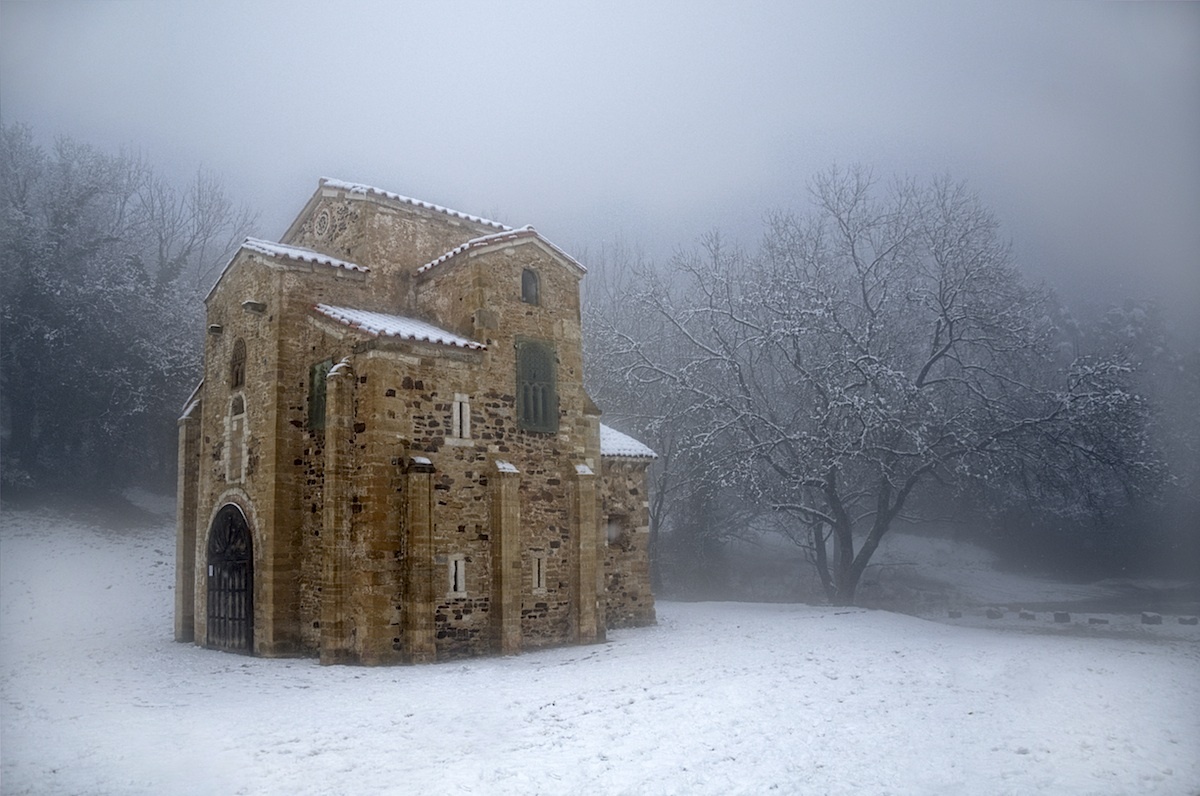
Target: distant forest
[(879, 360)]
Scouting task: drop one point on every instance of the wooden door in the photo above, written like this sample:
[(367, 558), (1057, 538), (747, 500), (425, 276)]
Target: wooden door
[(230, 583)]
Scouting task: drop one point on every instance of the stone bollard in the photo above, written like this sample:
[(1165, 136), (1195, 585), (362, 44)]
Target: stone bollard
[(955, 614), (1149, 618), (994, 613), (1027, 615), (1095, 620), (1189, 620), (1061, 617)]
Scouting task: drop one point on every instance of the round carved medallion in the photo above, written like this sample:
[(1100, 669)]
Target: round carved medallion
[(322, 223)]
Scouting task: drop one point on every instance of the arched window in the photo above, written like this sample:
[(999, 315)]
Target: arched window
[(529, 286), (237, 365), (537, 396)]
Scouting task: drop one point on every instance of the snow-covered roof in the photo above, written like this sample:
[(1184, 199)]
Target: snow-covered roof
[(357, 188), (189, 409), (192, 401), (614, 443), (343, 367), (507, 236), (383, 325), (475, 243), (300, 254)]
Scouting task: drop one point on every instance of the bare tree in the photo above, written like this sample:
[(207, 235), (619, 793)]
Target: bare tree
[(683, 478), (883, 342)]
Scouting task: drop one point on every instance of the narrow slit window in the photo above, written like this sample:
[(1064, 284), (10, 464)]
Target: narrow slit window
[(460, 420), (458, 575), (539, 573)]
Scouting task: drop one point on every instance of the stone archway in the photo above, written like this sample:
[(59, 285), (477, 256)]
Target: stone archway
[(230, 582)]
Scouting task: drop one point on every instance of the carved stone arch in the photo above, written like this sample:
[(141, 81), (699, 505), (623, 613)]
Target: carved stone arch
[(239, 498)]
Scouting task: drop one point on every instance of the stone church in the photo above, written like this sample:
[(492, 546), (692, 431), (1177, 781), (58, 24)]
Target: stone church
[(391, 456)]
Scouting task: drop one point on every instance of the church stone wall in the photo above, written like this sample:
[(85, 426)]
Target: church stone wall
[(360, 524), (236, 448), (626, 516)]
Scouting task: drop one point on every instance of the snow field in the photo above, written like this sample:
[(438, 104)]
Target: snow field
[(718, 698)]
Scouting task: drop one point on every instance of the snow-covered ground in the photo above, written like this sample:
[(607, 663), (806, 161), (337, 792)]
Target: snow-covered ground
[(718, 698)]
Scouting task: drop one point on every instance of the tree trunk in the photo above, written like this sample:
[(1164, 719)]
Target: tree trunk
[(847, 586), (822, 563)]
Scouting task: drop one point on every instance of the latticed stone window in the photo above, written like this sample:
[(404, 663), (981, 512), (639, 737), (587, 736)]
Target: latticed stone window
[(529, 286), (537, 395), (237, 365), (316, 394)]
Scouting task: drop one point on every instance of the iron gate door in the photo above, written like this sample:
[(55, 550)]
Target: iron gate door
[(230, 582)]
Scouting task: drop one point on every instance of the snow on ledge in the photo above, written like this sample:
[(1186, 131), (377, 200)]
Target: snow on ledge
[(506, 467), (189, 409), (502, 237), (342, 368), (363, 190), (614, 443), (300, 254), (474, 243), (383, 325)]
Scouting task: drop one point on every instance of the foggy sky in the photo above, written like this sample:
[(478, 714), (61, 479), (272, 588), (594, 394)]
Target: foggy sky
[(652, 123)]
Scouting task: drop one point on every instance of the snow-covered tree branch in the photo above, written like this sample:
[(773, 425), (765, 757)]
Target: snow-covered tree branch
[(882, 342)]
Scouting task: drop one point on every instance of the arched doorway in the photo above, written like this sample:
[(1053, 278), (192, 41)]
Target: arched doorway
[(230, 582)]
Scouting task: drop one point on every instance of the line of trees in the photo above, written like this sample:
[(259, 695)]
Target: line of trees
[(879, 357), (876, 358), (104, 265)]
